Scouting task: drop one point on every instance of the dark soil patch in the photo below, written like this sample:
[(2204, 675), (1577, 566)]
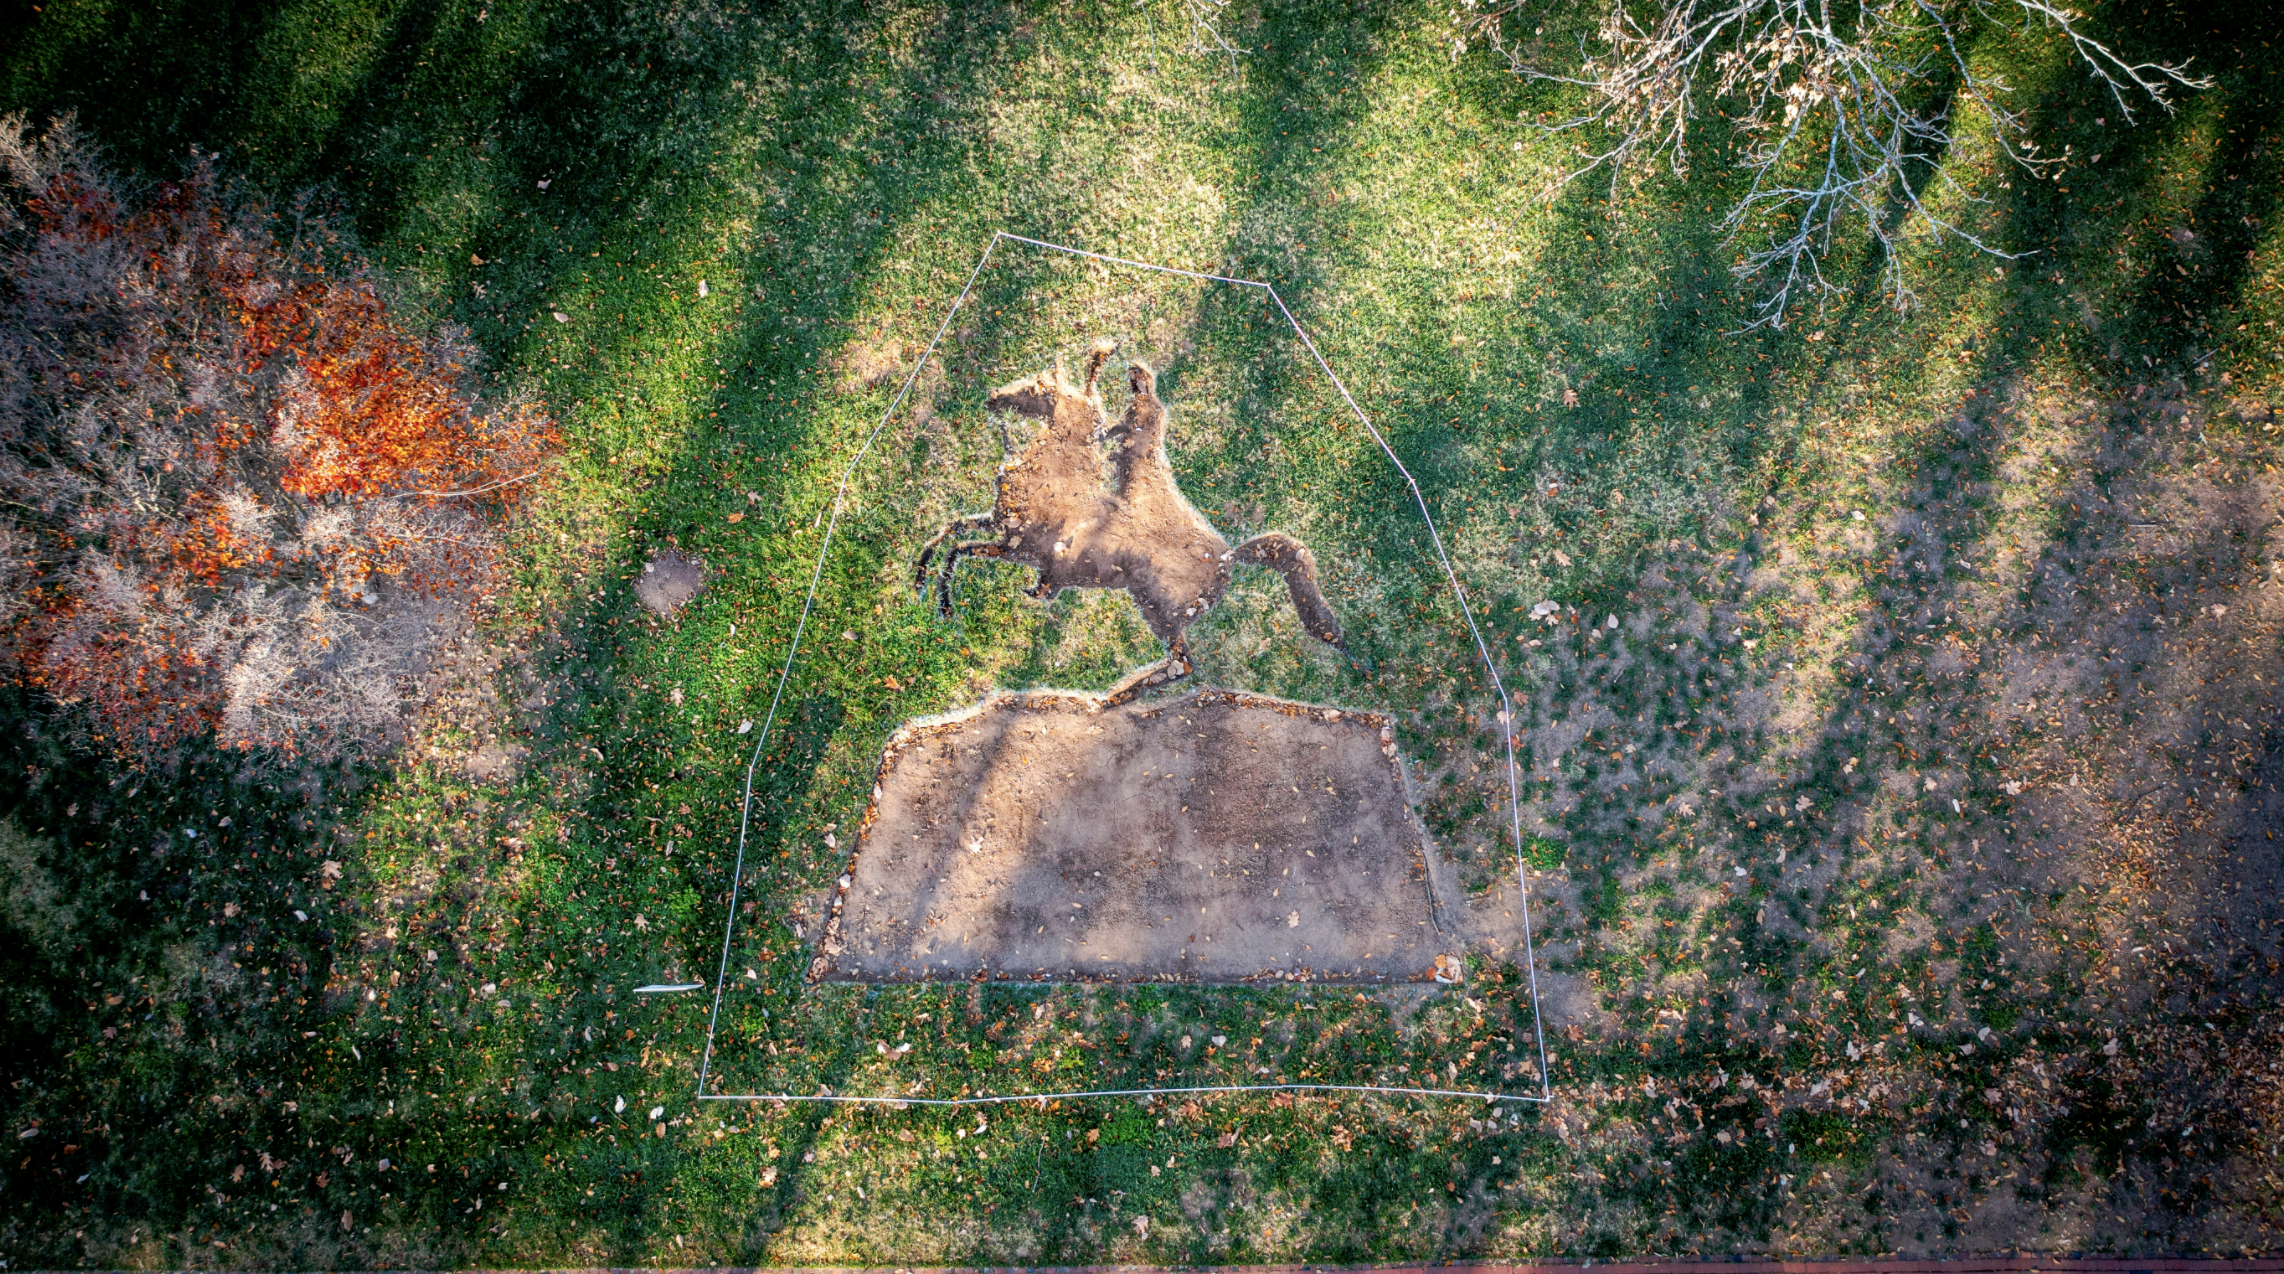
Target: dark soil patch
[(1216, 837)]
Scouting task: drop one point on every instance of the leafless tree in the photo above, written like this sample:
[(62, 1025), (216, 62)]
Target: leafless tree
[(1844, 110)]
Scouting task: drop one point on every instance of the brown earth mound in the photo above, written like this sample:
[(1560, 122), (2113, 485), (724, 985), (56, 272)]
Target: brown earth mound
[(1217, 837)]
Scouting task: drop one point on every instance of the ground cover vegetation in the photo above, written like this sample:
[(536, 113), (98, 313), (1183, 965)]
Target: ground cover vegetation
[(1896, 691)]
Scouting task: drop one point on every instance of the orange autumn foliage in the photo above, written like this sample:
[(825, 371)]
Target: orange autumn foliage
[(242, 495)]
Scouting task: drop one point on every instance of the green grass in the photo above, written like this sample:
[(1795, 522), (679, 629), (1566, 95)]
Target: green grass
[(832, 173)]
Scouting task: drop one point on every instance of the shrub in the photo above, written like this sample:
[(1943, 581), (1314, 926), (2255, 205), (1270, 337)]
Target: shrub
[(240, 495)]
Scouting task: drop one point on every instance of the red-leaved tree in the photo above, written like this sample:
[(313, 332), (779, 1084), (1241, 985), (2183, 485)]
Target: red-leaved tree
[(237, 494)]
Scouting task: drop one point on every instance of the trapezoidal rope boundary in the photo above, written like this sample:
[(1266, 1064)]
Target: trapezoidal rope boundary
[(808, 606)]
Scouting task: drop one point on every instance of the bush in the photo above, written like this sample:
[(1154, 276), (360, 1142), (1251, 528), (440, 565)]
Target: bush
[(239, 494)]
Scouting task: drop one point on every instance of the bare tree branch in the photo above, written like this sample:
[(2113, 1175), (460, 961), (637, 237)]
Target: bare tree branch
[(1844, 113)]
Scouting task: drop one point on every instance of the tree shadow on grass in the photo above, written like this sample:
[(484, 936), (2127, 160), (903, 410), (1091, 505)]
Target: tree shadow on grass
[(2050, 742), (2065, 661), (149, 80), (2201, 253), (157, 958), (172, 1189), (681, 493)]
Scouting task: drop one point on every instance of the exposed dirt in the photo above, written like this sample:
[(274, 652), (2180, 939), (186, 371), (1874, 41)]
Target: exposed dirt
[(1216, 837), (870, 364), (495, 762), (1054, 512), (669, 581)]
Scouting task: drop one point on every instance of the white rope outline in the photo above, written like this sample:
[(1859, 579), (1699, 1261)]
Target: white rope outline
[(808, 603)]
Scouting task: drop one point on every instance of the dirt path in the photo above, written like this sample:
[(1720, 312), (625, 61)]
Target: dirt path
[(1217, 837)]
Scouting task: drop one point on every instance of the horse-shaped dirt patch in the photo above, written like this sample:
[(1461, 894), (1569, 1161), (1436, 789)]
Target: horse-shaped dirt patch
[(1054, 513)]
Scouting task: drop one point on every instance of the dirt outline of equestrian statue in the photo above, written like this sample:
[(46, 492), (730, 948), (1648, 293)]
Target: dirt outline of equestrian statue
[(1053, 513)]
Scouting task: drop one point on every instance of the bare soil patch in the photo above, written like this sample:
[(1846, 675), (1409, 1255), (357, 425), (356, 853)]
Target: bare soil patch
[(1216, 837), (496, 762), (669, 581), (871, 364)]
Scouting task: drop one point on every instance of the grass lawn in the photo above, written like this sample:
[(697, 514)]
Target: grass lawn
[(1901, 773)]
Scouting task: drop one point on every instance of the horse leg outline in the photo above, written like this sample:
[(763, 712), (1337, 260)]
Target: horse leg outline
[(968, 522), (952, 556)]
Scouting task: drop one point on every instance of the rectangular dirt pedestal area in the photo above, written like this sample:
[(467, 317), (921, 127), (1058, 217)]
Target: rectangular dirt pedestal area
[(1217, 837)]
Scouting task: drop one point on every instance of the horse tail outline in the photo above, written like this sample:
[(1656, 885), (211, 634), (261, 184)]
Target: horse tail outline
[(1292, 559)]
